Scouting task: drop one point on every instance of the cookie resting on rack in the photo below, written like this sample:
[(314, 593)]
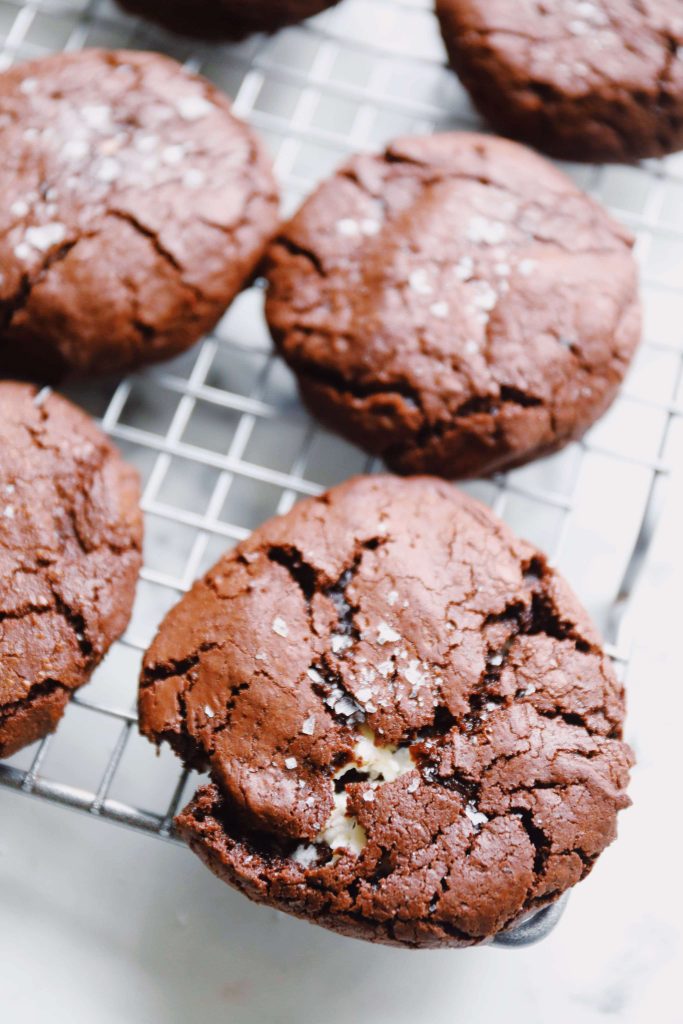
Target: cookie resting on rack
[(133, 208), (413, 734), (580, 79), (70, 543), (226, 19), (456, 304)]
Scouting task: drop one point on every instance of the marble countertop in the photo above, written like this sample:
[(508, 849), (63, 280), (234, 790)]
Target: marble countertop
[(102, 925)]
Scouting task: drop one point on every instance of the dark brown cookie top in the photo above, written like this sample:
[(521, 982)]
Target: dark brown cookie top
[(70, 543), (134, 207), (228, 19), (412, 731), (455, 304), (581, 79)]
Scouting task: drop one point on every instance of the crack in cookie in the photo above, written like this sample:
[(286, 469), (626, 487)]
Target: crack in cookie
[(487, 318), (70, 552), (135, 207), (412, 732)]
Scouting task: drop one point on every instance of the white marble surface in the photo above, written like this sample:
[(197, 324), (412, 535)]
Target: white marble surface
[(101, 925)]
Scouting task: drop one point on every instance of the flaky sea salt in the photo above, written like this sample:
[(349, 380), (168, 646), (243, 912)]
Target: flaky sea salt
[(369, 226), (193, 108), (464, 268), (194, 178), (387, 635), (108, 170), (173, 155), (280, 627), (419, 282), (476, 817), (486, 297), (490, 232), (348, 227), (96, 115), (340, 643), (45, 236)]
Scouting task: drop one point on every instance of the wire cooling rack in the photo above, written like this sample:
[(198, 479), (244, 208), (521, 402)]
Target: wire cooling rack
[(219, 436)]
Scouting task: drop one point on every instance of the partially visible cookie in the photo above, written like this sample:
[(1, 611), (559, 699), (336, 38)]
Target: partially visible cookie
[(455, 304), (133, 207), (227, 19), (580, 79), (413, 734), (70, 543)]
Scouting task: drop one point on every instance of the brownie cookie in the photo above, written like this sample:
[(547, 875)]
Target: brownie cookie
[(455, 304), (413, 734), (580, 79), (227, 19), (134, 207), (70, 540)]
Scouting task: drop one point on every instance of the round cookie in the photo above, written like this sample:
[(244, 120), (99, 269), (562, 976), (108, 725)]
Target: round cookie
[(455, 304), (227, 19), (70, 542), (134, 207), (413, 734), (580, 79)]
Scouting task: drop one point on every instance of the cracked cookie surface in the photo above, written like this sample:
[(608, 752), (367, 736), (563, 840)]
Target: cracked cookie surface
[(70, 553), (580, 79), (134, 208), (228, 19), (455, 305), (413, 734)]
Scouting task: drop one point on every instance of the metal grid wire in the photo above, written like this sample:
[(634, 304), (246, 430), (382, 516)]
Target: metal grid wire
[(218, 434)]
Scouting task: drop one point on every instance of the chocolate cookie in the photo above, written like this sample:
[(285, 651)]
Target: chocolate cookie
[(455, 304), (133, 208), (70, 540), (413, 734), (581, 79), (227, 19)]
